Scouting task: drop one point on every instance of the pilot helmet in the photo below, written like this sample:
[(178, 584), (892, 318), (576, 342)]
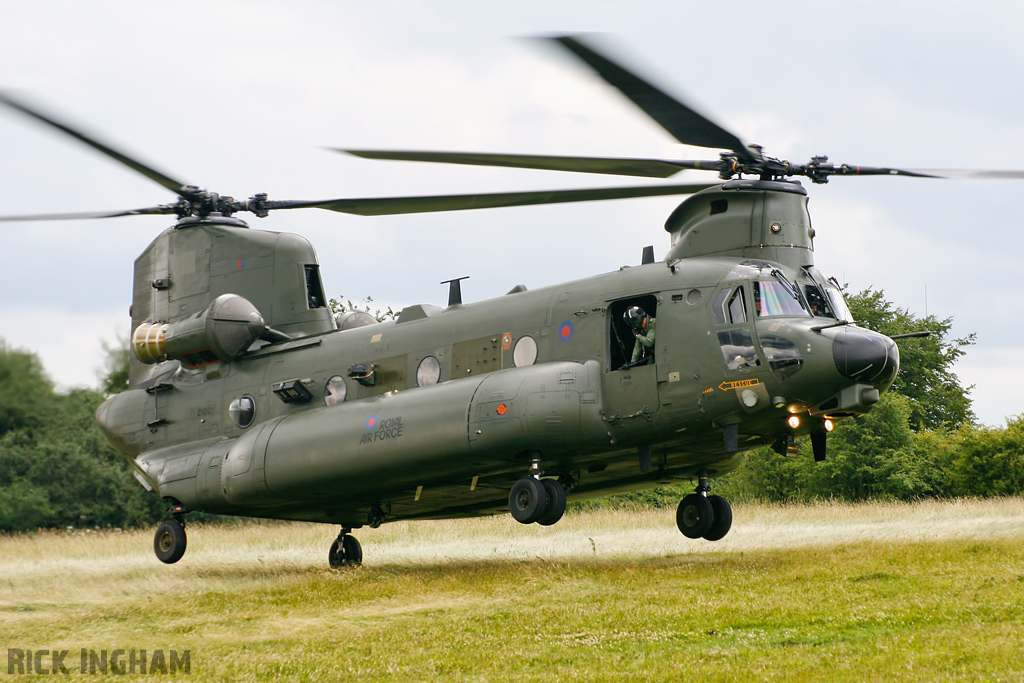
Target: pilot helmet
[(635, 317)]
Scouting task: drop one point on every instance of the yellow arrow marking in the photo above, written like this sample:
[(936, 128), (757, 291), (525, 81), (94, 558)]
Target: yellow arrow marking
[(738, 384)]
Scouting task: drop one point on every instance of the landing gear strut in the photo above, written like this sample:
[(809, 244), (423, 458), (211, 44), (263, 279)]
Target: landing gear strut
[(345, 551), (702, 516)]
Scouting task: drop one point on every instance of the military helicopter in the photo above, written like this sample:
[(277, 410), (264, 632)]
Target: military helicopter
[(248, 397)]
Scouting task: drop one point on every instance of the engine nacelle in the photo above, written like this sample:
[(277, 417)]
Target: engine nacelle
[(220, 333)]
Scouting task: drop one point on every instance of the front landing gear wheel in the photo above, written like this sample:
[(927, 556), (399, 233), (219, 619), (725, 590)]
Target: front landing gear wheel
[(694, 516), (527, 500), (345, 552), (556, 502), (722, 521), (170, 541)]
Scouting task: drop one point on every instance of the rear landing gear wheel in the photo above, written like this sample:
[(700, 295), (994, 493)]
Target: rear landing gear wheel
[(556, 502), (345, 552), (722, 521), (528, 500), (694, 516), (170, 541)]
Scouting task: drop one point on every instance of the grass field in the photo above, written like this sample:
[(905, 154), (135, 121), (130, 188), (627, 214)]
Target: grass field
[(922, 592)]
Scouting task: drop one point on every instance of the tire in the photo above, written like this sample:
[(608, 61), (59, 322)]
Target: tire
[(336, 556), (694, 516), (353, 550), (556, 502), (722, 521), (345, 552), (170, 541), (527, 500)]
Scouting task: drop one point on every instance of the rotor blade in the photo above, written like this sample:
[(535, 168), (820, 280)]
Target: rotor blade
[(646, 168), (686, 125), (846, 169), (385, 206), (137, 166), (163, 210), (959, 174)]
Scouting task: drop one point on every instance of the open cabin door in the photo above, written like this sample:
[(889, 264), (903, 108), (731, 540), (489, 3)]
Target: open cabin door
[(630, 389)]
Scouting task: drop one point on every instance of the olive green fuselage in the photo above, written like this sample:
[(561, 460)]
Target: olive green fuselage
[(570, 409), (437, 414)]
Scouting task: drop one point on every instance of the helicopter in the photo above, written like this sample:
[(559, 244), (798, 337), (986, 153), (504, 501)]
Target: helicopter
[(248, 397)]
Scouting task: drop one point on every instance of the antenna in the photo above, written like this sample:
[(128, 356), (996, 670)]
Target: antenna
[(455, 290)]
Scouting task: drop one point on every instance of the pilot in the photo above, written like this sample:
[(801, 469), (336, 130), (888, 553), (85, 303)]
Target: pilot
[(643, 327)]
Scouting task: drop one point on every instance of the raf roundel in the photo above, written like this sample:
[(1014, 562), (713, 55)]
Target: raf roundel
[(372, 422), (565, 331)]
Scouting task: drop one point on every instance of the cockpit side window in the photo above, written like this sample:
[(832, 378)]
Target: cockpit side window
[(738, 349), (835, 295), (737, 307), (730, 306)]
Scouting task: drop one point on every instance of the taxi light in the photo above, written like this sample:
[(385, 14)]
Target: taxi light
[(793, 421), (829, 425)]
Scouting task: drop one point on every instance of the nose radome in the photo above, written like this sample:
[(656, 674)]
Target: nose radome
[(866, 356)]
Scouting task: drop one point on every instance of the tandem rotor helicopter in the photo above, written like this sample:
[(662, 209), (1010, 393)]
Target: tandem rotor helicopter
[(248, 397)]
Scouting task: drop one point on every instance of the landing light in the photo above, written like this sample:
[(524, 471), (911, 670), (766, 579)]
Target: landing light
[(829, 425), (793, 421)]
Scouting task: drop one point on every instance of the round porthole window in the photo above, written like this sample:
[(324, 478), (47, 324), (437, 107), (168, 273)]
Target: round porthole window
[(428, 372), (335, 391), (243, 410), (525, 352)]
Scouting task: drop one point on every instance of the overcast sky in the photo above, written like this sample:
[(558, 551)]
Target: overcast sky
[(242, 97)]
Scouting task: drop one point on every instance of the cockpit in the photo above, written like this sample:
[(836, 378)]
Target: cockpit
[(772, 295)]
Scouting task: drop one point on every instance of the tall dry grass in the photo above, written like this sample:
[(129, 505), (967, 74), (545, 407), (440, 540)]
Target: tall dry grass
[(924, 592)]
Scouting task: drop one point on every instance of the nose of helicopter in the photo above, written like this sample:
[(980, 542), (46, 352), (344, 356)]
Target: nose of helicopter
[(866, 356)]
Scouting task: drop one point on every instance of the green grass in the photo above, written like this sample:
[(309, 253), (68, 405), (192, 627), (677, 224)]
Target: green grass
[(925, 592)]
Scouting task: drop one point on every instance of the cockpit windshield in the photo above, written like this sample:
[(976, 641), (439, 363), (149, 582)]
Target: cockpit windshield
[(818, 301), (777, 298)]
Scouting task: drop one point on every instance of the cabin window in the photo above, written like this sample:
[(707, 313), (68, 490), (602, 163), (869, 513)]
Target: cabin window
[(243, 410), (335, 391), (314, 287), (525, 352), (428, 372)]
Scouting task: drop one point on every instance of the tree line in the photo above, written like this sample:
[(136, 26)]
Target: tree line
[(920, 441)]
